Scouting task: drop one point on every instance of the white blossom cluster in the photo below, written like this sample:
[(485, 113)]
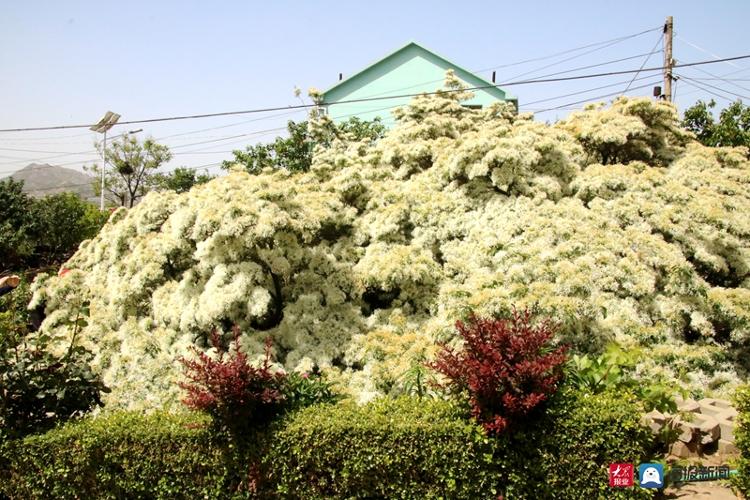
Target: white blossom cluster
[(614, 222)]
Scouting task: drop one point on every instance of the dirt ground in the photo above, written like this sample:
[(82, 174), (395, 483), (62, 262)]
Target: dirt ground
[(714, 491)]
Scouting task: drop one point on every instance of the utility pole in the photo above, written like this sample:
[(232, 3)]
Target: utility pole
[(668, 61)]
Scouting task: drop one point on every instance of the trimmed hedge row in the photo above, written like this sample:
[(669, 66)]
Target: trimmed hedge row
[(403, 448), (123, 455)]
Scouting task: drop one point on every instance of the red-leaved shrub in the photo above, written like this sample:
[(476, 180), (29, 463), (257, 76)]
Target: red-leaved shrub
[(231, 390), (507, 366)]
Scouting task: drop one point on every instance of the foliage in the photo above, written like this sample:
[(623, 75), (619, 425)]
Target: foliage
[(131, 164), (16, 242), (180, 180), (236, 394), (509, 367), (362, 264), (567, 452), (732, 128), (389, 448), (38, 232), (629, 130), (60, 222), (121, 455), (613, 371), (306, 389), (294, 153), (407, 448), (39, 384), (741, 481)]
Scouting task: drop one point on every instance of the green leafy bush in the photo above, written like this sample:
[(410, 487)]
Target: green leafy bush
[(402, 448), (614, 371), (567, 453), (411, 448), (39, 388), (386, 449), (742, 439), (37, 232), (122, 455)]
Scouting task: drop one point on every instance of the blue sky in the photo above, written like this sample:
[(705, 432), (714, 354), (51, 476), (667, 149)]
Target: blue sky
[(69, 62)]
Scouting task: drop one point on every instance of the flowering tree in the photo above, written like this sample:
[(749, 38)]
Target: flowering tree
[(614, 223)]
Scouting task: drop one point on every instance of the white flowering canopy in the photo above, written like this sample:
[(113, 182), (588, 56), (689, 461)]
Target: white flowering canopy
[(614, 222)]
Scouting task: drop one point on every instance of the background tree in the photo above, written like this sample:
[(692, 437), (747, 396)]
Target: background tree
[(16, 243), (131, 164), (60, 223), (295, 151), (732, 128), (41, 232), (179, 180)]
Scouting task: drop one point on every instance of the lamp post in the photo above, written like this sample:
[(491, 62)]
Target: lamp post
[(106, 123)]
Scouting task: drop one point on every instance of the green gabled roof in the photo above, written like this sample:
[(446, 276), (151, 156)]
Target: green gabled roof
[(491, 88)]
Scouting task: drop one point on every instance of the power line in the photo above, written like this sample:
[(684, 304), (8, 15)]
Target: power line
[(693, 84), (594, 98), (644, 63), (716, 89), (518, 63), (583, 91), (367, 99), (706, 51), (566, 60), (622, 38)]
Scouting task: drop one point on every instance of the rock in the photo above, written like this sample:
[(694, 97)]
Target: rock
[(708, 427), (711, 406), (727, 447), (726, 421), (687, 405), (654, 420), (687, 431), (684, 450), (656, 416)]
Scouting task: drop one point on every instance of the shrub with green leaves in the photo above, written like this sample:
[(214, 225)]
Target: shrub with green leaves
[(615, 370), (390, 448), (123, 455), (44, 379), (411, 448)]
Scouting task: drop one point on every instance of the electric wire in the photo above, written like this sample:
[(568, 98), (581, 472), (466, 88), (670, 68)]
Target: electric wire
[(351, 101), (716, 88), (704, 89), (525, 61), (644, 63)]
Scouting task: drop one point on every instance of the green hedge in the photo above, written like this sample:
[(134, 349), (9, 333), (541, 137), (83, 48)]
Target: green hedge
[(386, 449), (402, 448), (123, 455), (742, 440), (399, 449)]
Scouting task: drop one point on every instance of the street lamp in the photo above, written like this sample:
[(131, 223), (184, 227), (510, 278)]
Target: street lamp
[(106, 123)]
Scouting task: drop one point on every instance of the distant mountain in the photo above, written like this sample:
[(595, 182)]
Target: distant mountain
[(44, 179)]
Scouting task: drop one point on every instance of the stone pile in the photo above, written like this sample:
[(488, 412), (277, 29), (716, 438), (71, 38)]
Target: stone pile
[(704, 427)]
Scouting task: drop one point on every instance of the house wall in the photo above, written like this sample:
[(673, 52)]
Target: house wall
[(410, 71)]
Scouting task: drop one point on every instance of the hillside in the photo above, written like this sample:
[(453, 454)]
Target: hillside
[(44, 179)]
